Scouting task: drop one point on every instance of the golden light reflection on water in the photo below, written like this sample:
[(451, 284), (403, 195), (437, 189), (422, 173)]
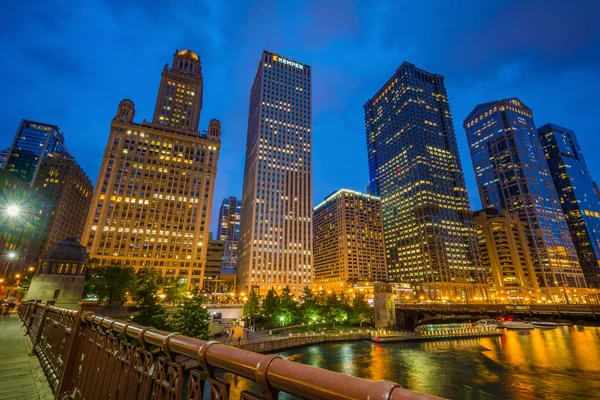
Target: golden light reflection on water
[(562, 363)]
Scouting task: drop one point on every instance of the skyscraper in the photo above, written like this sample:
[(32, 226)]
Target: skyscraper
[(504, 251), (33, 141), (66, 186), (153, 197), (512, 174), (229, 232), (415, 168), (348, 241), (577, 196), (4, 156), (276, 223)]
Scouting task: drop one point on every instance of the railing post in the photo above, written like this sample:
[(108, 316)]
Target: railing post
[(49, 303), (29, 321), (74, 347)]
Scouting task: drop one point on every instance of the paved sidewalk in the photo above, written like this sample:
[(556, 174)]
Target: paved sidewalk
[(21, 376)]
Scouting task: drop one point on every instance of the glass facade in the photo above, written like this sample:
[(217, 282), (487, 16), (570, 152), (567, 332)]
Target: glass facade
[(577, 196), (33, 141), (229, 232), (414, 166), (512, 174), (276, 223)]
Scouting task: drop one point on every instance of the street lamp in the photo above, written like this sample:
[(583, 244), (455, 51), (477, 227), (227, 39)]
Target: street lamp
[(13, 210), (282, 319)]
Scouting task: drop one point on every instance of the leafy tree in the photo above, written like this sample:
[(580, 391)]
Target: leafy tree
[(360, 312), (251, 307), (335, 309), (173, 290), (110, 284), (192, 319), (288, 308), (151, 313), (270, 305), (309, 311)]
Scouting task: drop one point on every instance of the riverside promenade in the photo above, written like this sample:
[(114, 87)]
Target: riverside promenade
[(21, 376)]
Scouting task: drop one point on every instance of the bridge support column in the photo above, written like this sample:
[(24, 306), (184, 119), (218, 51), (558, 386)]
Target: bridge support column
[(385, 306)]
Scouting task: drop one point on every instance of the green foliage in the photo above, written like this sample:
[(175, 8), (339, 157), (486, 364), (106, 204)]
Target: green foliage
[(287, 307), (173, 290), (192, 319), (360, 312), (270, 305), (151, 313), (251, 307), (109, 283), (309, 311), (336, 309)]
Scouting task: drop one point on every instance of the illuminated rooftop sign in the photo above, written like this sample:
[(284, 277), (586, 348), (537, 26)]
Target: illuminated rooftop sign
[(287, 62)]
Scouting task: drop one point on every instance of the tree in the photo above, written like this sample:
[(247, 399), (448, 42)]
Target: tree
[(251, 307), (151, 313), (192, 319), (288, 308), (173, 290), (110, 284), (309, 311), (270, 305), (335, 309), (360, 311)]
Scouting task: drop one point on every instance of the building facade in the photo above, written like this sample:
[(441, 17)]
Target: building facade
[(414, 166), (24, 215), (214, 259), (512, 174), (276, 224), (66, 186), (348, 241), (229, 232), (4, 156), (504, 251), (153, 198), (577, 195), (32, 143)]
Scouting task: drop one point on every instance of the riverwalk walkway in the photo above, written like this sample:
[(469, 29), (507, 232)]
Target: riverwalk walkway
[(21, 376)]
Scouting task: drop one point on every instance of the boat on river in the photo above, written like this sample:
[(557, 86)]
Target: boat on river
[(489, 323), (544, 325), (519, 325)]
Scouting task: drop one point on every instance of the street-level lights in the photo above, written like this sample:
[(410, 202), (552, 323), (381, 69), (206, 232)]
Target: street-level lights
[(282, 319)]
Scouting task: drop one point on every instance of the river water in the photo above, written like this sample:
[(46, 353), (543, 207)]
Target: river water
[(561, 363)]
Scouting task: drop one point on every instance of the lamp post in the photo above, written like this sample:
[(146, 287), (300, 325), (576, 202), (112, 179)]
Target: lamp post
[(282, 319)]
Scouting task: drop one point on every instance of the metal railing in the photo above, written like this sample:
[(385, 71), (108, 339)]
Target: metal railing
[(88, 356)]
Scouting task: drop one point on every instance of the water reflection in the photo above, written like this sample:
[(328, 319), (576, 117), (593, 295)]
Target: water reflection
[(562, 363)]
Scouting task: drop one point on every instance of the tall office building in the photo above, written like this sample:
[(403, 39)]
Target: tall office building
[(153, 198), (4, 156), (348, 241), (24, 215), (276, 224), (229, 232), (66, 186), (504, 251), (577, 196), (414, 166), (33, 141), (512, 174), (214, 259)]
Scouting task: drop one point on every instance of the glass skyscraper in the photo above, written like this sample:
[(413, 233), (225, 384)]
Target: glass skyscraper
[(33, 141), (276, 224), (414, 166), (577, 196), (512, 174), (229, 232)]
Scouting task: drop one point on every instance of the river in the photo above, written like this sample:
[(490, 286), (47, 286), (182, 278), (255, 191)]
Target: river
[(561, 363)]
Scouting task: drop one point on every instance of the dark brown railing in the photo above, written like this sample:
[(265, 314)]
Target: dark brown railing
[(87, 356)]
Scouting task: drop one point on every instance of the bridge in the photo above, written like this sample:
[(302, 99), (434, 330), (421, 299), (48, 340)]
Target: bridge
[(88, 356), (408, 315)]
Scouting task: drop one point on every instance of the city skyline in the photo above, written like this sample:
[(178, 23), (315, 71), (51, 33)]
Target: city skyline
[(343, 80)]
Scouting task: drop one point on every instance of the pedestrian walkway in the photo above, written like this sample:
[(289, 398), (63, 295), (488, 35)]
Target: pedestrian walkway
[(21, 376)]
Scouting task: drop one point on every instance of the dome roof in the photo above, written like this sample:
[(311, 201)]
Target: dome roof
[(68, 250), (189, 53)]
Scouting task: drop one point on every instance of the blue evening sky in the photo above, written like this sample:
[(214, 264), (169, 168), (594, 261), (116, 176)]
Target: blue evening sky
[(70, 63)]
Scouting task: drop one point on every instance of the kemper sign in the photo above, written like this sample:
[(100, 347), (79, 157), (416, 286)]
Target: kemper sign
[(287, 62)]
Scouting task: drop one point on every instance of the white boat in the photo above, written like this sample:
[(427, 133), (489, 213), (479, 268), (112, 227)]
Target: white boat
[(488, 323), (544, 325), (522, 325)]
